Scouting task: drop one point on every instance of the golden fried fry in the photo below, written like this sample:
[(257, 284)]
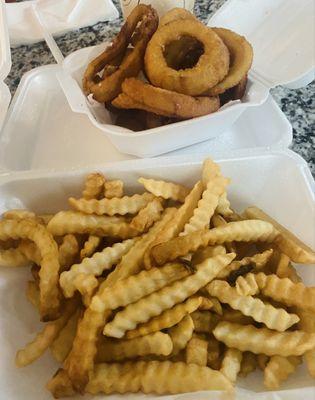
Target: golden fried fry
[(224, 206), (147, 216), (209, 171), (90, 246), (177, 223), (196, 351), (19, 214), (49, 289), (216, 221), (167, 319), (204, 321), (165, 298), (307, 324), (166, 190), (236, 316), (13, 258), (60, 385), (231, 364), (247, 286), (286, 270), (250, 230), (155, 377), (274, 318), (30, 251), (93, 186), (264, 340), (95, 265), (61, 346), (211, 251), (278, 369), (122, 206), (181, 334), (157, 343), (113, 189), (206, 205), (248, 364), (68, 251), (288, 244), (76, 222), (86, 284)]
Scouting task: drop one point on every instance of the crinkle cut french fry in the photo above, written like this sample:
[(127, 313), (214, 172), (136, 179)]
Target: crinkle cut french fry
[(286, 291), (49, 271), (76, 222), (288, 244), (134, 287), (204, 321), (274, 318), (236, 316), (216, 221), (246, 286), (160, 377), (210, 251), (167, 318), (209, 171), (278, 369), (249, 230), (93, 186), (114, 188), (86, 284), (206, 206), (181, 334), (147, 216), (196, 351), (166, 190), (68, 250), (60, 385), (224, 206), (95, 265), (157, 343), (44, 339), (61, 346), (264, 340), (177, 223), (231, 364), (165, 298), (18, 214), (13, 258), (307, 324), (30, 251), (248, 364), (90, 246), (286, 270), (122, 206)]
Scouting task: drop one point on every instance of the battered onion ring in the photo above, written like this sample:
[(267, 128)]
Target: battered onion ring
[(235, 92), (108, 88), (241, 57), (140, 95), (175, 14), (210, 69)]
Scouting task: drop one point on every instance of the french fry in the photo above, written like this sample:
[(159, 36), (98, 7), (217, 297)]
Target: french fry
[(114, 188), (196, 351), (60, 385), (206, 206), (44, 339), (288, 244), (158, 377), (86, 284), (68, 250), (274, 318), (167, 318), (224, 206), (122, 206), (147, 216), (181, 334), (209, 171), (211, 251), (76, 222), (236, 316), (177, 223), (32, 294), (93, 186), (61, 346), (165, 298), (286, 270), (262, 361), (90, 246), (307, 324), (286, 291), (247, 286), (99, 262), (30, 251), (166, 190), (13, 258), (231, 364), (19, 214), (214, 354), (250, 230), (248, 364), (216, 221), (156, 343), (49, 271), (204, 321), (264, 340), (278, 369)]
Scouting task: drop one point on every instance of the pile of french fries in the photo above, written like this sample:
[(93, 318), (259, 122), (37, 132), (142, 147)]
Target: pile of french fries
[(165, 291)]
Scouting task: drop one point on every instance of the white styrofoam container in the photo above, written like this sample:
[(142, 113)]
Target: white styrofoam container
[(42, 132), (5, 63), (281, 32), (283, 187)]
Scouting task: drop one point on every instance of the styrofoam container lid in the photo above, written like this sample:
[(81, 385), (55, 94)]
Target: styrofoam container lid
[(282, 34), (5, 63)]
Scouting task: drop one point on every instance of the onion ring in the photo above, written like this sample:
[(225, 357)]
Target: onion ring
[(175, 14), (110, 86), (140, 95), (210, 69), (241, 55), (235, 92)]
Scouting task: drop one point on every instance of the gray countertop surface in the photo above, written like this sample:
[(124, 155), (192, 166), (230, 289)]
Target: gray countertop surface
[(298, 105)]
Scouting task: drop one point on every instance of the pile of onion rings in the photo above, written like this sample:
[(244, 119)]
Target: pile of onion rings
[(190, 69)]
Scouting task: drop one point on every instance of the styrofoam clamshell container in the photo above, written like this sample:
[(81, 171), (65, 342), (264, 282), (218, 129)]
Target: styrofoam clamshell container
[(283, 47), (283, 187), (5, 63)]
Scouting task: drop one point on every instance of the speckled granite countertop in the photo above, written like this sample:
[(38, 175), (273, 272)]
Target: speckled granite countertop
[(298, 105)]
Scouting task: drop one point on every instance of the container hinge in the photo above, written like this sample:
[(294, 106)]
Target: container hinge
[(258, 77)]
